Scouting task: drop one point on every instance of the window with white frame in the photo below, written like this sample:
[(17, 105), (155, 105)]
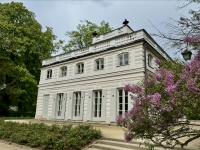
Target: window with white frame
[(77, 104), (122, 99), (150, 60), (123, 59), (80, 68), (49, 74), (99, 64), (63, 71), (97, 104), (59, 104)]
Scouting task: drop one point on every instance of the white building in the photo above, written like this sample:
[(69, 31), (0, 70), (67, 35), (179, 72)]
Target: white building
[(86, 84)]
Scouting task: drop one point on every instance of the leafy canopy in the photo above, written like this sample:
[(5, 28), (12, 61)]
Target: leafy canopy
[(23, 46), (82, 37)]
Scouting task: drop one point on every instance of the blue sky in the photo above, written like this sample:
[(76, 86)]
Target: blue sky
[(64, 15)]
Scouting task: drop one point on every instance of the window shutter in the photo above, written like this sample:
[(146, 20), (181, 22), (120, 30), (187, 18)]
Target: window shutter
[(113, 105), (95, 65), (63, 106), (54, 106), (130, 105), (89, 106), (70, 106), (82, 104), (103, 111)]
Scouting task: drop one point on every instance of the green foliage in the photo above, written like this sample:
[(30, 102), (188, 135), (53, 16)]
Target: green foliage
[(49, 137), (83, 36), (23, 46)]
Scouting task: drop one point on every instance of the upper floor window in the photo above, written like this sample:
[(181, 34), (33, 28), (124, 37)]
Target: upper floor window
[(49, 73), (99, 64), (150, 60), (80, 68), (123, 59), (63, 71)]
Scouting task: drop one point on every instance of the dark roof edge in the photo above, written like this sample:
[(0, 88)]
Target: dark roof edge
[(156, 43)]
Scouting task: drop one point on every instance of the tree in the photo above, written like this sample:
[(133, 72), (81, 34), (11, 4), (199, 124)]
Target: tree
[(83, 36), (161, 104), (184, 33), (23, 46)]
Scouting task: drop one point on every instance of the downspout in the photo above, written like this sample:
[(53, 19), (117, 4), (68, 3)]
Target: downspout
[(145, 60)]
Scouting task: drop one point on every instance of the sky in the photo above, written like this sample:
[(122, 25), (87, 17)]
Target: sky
[(65, 15)]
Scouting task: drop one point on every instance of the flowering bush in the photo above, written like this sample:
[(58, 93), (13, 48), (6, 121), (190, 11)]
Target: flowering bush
[(161, 104)]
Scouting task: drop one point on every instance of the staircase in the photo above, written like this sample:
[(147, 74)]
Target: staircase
[(118, 144)]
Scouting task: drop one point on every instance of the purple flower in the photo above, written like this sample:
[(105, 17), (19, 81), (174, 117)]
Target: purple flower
[(155, 99), (119, 120), (191, 85), (170, 89), (191, 39), (133, 88), (173, 101), (157, 61), (127, 137)]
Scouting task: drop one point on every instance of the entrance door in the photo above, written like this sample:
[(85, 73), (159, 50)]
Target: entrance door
[(45, 106), (59, 107), (122, 101), (97, 105)]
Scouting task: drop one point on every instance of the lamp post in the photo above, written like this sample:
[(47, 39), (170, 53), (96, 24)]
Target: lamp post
[(186, 55)]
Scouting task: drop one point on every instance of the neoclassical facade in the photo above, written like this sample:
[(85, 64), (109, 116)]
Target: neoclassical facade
[(86, 85)]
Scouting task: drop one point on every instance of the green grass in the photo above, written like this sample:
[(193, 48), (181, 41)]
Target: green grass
[(49, 137)]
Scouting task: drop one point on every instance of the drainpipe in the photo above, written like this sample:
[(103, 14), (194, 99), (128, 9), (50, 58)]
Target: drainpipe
[(145, 60)]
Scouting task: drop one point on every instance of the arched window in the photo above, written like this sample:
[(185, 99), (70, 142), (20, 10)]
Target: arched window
[(150, 60), (49, 74), (123, 59), (63, 71), (99, 64), (80, 68)]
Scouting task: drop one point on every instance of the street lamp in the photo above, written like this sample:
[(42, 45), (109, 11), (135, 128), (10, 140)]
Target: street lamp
[(186, 55)]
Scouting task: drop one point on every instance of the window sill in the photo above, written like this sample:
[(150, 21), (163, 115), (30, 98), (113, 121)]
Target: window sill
[(122, 65), (80, 73), (48, 78), (62, 76), (98, 69)]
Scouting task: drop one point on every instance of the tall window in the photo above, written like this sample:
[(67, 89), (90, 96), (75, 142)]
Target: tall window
[(97, 104), (59, 104), (123, 59), (49, 74), (77, 104), (80, 68), (99, 64), (63, 71), (150, 60), (122, 101)]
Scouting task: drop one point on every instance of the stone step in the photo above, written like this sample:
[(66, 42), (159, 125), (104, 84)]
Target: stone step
[(109, 147), (129, 145), (93, 148), (137, 144)]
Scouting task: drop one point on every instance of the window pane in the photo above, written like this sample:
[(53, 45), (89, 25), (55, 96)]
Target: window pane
[(126, 59), (126, 99), (120, 107), (120, 112), (120, 92), (95, 113), (97, 64), (126, 107), (120, 100), (121, 60), (99, 113)]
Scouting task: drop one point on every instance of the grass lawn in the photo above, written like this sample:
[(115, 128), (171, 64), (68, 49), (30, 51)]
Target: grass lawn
[(46, 137), (15, 118)]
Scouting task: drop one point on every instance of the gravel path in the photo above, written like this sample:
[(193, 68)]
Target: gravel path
[(12, 146)]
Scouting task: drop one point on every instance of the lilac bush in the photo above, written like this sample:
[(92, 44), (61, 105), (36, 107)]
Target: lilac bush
[(162, 104)]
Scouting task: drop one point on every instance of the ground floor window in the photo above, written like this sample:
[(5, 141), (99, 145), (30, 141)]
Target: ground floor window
[(97, 105), (77, 104), (59, 104), (122, 99)]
